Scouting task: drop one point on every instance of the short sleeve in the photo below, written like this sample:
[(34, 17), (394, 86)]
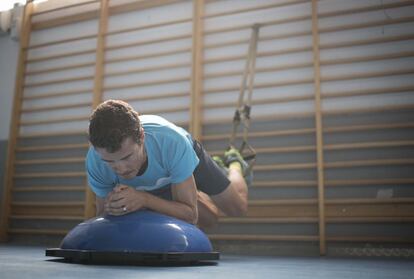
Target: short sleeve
[(182, 159), (99, 177)]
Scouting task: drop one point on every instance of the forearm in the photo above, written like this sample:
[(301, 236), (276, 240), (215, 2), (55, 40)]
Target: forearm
[(175, 209), (100, 206)]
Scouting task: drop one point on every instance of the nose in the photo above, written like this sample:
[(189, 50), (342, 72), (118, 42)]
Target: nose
[(120, 167)]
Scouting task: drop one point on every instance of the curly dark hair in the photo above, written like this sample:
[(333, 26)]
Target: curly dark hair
[(111, 123)]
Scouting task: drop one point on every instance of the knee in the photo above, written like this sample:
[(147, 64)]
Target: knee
[(206, 222), (238, 209)]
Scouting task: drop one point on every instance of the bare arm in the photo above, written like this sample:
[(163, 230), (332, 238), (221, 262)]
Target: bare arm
[(184, 203), (100, 206), (183, 206)]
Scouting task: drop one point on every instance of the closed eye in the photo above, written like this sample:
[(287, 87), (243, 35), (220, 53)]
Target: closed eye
[(123, 158)]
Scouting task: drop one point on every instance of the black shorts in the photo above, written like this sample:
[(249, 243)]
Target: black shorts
[(209, 177)]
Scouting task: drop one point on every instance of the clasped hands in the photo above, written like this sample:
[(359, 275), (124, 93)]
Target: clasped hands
[(123, 200)]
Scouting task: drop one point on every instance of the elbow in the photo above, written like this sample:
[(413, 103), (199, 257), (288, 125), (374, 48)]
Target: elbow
[(192, 217)]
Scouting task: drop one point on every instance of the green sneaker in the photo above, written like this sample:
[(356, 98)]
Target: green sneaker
[(219, 161), (233, 155)]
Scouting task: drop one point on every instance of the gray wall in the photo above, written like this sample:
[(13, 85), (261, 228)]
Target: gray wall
[(9, 51)]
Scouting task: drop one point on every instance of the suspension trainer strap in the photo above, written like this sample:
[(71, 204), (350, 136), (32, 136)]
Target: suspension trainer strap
[(242, 113)]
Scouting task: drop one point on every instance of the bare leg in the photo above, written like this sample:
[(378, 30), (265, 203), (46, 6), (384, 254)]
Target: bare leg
[(233, 200), (208, 212)]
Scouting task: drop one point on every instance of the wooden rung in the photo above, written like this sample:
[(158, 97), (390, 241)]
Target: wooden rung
[(277, 100), (57, 107), (354, 128), (51, 43), (151, 55), (67, 80), (81, 16), (56, 69), (258, 86), (402, 219), (64, 7), (285, 167), (59, 94), (296, 183), (58, 208), (260, 39), (153, 41), (157, 96), (149, 83), (393, 239), (45, 217), (147, 69), (166, 110), (149, 26), (364, 182), (271, 150), (361, 145), (379, 40), (262, 23), (52, 147), (38, 232), (48, 204), (56, 120), (283, 202), (381, 7), (337, 208), (52, 134), (277, 133), (229, 120), (384, 22), (369, 201), (291, 149), (49, 175), (259, 54), (362, 163), (58, 188), (265, 150), (139, 5), (266, 220), (368, 75), (332, 220), (258, 70), (366, 92), (51, 161), (261, 237), (287, 149), (331, 201), (255, 8), (402, 54), (63, 55), (384, 108)]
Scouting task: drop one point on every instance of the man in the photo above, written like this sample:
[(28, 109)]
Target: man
[(137, 162)]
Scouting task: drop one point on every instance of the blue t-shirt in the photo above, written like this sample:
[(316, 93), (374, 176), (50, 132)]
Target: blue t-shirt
[(171, 159)]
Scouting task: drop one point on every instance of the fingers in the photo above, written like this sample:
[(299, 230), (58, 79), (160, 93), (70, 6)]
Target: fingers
[(116, 210), (120, 187), (116, 202), (115, 195)]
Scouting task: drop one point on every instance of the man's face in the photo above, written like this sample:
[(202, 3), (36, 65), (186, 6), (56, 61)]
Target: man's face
[(127, 161)]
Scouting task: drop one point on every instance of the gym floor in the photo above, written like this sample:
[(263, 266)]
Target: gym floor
[(29, 262)]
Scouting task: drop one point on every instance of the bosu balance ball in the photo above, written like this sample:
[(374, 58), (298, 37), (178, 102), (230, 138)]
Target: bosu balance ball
[(138, 237)]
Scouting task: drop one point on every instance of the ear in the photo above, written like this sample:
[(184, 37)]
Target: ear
[(142, 137)]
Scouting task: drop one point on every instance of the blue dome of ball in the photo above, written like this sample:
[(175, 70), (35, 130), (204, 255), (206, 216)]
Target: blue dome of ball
[(141, 231)]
